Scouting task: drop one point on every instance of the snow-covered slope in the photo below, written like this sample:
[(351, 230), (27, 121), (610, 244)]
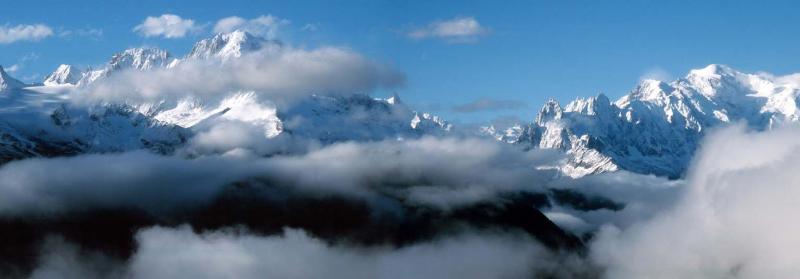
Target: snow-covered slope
[(64, 74), (7, 82), (141, 59), (327, 119), (657, 126), (38, 121), (229, 45)]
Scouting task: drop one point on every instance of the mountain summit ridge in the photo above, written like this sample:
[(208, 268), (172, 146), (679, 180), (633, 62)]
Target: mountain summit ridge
[(656, 127)]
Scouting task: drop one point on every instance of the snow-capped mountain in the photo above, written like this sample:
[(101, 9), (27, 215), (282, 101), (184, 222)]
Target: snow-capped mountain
[(40, 120), (327, 119), (141, 59), (229, 45), (37, 121), (7, 82), (64, 74), (319, 117), (656, 128)]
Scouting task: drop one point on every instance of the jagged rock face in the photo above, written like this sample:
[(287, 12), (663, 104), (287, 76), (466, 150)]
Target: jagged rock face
[(657, 127), (65, 74)]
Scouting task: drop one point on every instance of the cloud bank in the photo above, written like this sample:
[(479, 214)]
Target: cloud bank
[(446, 177), (181, 253), (274, 74), (733, 219), (398, 179), (727, 220)]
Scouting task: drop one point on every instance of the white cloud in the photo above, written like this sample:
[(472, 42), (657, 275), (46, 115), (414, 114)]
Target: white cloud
[(61, 259), (136, 179), (439, 172), (311, 27), (10, 34), (734, 218), (446, 176), (457, 30), (656, 73), (166, 25), (274, 74), (22, 62), (181, 253), (12, 68), (233, 253), (265, 25)]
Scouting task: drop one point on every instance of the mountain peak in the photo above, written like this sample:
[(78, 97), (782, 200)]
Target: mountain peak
[(394, 99), (228, 45), (8, 82), (713, 71), (651, 90), (140, 59), (713, 78), (550, 111), (64, 74), (589, 106)]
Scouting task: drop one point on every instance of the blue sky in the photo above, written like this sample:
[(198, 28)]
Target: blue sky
[(525, 52)]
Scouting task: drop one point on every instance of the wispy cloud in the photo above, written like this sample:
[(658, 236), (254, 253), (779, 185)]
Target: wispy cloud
[(265, 25), (656, 73), (34, 32), (311, 27), (456, 30), (22, 61), (738, 195), (12, 68), (167, 25), (92, 33), (486, 104)]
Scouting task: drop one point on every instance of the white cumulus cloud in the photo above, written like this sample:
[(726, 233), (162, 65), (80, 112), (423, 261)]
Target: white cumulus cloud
[(167, 25), (34, 32)]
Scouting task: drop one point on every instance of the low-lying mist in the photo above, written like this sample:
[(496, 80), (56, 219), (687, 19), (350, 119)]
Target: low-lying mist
[(416, 208)]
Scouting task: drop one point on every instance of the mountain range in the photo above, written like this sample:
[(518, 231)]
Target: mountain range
[(657, 127), (39, 120), (654, 129)]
